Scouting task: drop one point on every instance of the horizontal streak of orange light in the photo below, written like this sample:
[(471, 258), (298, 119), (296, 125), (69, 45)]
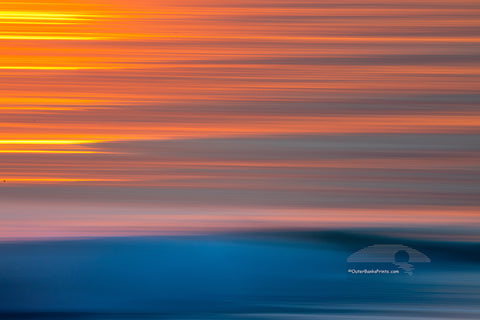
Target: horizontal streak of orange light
[(46, 37), (44, 68), (36, 15), (55, 180), (51, 151), (224, 127), (31, 146), (48, 141)]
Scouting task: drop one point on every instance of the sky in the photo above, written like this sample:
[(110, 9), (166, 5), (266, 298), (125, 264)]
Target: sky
[(178, 117)]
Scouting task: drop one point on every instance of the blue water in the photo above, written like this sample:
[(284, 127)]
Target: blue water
[(282, 275)]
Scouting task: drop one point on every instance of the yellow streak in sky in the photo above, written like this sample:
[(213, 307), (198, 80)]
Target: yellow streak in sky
[(45, 37), (48, 141), (50, 151), (31, 15), (35, 22), (41, 68), (16, 109)]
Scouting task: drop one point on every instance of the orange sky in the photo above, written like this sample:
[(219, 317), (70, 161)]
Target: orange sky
[(237, 105)]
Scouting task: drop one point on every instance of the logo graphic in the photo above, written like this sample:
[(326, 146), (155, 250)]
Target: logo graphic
[(397, 254)]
